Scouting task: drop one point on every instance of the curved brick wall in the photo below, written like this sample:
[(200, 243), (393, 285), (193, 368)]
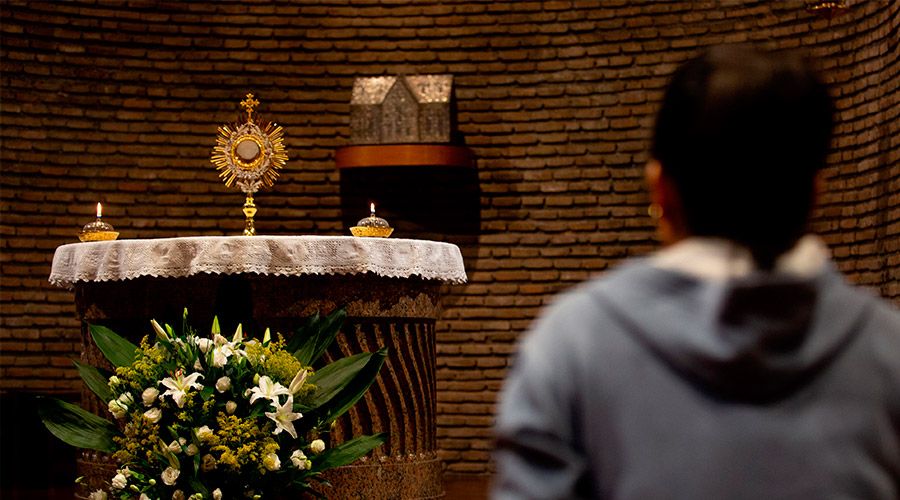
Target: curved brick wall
[(119, 102)]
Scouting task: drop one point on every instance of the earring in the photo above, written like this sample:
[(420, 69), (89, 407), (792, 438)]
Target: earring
[(655, 211)]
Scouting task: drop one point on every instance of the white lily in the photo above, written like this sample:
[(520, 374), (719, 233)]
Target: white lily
[(267, 336), (159, 331), (297, 382), (179, 385), (238, 334), (269, 390), (284, 417)]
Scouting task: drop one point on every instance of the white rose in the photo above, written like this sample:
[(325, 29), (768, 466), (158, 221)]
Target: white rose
[(114, 380), (204, 433), (208, 463), (217, 494), (126, 399), (230, 407), (191, 450), (149, 396), (272, 462), (298, 459), (97, 495), (317, 446), (117, 409), (221, 355), (153, 415), (197, 366), (223, 384), (175, 446), (143, 497), (204, 345), (119, 481), (177, 495), (170, 475)]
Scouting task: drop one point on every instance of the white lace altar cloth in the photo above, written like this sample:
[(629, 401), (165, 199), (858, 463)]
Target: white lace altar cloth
[(265, 255)]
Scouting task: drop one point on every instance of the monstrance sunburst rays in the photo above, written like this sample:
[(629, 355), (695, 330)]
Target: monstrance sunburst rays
[(249, 154)]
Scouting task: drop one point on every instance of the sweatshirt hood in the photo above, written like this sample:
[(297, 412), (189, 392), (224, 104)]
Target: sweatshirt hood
[(757, 337)]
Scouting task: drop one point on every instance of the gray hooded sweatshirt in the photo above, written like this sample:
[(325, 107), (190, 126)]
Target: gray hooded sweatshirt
[(653, 384)]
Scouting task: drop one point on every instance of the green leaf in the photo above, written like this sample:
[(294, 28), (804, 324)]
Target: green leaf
[(330, 379), (302, 334), (351, 391), (75, 426), (198, 486), (117, 350), (96, 381), (349, 452), (311, 340)]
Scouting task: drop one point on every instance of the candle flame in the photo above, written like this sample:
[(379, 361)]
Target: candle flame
[(99, 210), (372, 208)]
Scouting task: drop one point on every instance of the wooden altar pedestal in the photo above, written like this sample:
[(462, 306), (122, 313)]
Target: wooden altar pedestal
[(392, 312), (397, 313)]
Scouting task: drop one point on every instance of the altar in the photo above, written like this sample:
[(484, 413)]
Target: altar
[(391, 291)]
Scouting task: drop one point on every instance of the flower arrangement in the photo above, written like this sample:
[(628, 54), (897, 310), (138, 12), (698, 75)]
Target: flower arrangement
[(206, 417)]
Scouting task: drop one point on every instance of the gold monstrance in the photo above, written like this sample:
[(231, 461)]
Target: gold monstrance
[(251, 154)]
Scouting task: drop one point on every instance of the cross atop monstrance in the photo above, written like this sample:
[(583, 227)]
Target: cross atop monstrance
[(250, 153), (248, 104)]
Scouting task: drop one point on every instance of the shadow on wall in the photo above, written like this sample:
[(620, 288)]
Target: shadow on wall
[(33, 463), (435, 203)]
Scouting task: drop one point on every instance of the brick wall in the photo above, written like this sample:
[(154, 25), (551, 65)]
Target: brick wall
[(119, 101)]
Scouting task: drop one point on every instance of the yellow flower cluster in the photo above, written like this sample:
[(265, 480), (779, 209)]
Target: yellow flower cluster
[(238, 443), (146, 367), (139, 441), (273, 360)]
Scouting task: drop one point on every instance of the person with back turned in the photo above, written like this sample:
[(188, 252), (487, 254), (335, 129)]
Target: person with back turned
[(734, 363)]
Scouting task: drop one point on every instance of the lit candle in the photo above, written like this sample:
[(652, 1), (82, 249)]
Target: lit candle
[(99, 210), (372, 207)]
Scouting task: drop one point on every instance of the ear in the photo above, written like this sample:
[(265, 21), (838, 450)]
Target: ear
[(662, 191), (663, 194)]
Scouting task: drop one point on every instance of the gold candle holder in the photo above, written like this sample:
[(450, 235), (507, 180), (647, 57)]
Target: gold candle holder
[(98, 230), (372, 226)]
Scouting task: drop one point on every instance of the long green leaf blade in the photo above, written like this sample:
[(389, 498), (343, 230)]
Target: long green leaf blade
[(349, 452), (95, 381), (333, 377), (75, 426), (311, 340), (117, 350), (354, 390), (302, 335), (330, 327)]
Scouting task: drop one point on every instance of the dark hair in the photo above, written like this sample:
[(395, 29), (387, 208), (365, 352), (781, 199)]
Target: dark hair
[(742, 133)]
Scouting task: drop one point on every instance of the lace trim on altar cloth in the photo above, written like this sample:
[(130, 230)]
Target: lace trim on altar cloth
[(264, 255)]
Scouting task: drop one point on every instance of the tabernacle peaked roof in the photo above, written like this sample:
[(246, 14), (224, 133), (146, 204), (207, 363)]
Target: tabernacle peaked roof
[(425, 88)]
